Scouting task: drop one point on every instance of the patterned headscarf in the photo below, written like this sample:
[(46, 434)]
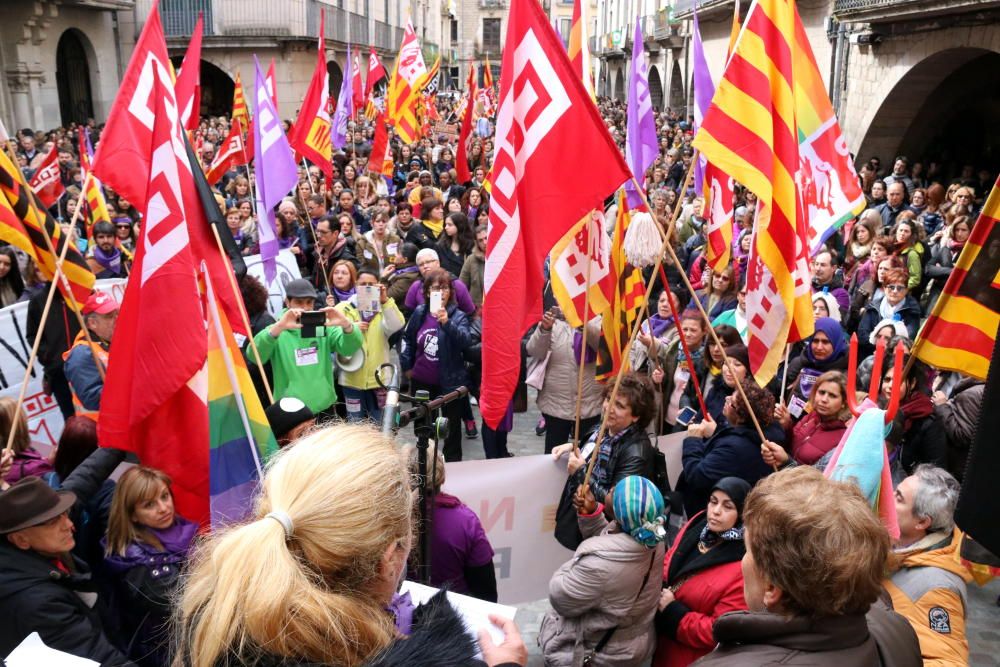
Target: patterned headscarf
[(639, 511)]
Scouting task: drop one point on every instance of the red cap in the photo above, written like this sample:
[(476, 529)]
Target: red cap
[(100, 303)]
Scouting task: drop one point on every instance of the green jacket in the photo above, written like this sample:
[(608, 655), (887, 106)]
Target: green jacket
[(303, 367)]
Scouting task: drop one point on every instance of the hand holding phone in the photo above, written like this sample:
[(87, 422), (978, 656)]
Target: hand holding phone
[(436, 301), (685, 416)]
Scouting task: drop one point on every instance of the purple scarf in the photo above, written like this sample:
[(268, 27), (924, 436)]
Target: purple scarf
[(401, 607), (407, 269), (111, 261), (176, 542), (659, 325), (341, 295), (589, 357)]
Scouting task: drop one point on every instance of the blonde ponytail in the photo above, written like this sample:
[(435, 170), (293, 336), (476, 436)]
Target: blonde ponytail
[(347, 493)]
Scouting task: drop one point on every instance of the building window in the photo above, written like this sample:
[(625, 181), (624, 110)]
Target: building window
[(564, 29), (454, 30), (491, 36)]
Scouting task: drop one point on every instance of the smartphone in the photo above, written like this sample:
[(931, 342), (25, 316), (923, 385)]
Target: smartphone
[(685, 416), (437, 301), (310, 320)]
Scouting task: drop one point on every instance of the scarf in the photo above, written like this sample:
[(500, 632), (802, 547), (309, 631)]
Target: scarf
[(659, 325), (696, 355), (639, 510), (436, 226), (709, 539), (405, 270), (111, 261), (835, 333), (602, 474), (589, 357), (956, 246), (177, 538), (342, 295), (914, 407), (888, 311), (860, 251)]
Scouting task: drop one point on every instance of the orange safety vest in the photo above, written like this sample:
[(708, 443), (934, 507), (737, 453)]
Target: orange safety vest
[(102, 355)]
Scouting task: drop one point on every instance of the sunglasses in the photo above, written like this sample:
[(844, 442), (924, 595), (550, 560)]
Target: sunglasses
[(895, 288)]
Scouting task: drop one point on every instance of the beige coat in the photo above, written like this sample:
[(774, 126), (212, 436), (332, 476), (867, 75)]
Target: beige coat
[(597, 590), (558, 394)]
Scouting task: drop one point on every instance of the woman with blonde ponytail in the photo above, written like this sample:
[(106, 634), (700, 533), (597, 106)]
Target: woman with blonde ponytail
[(309, 580)]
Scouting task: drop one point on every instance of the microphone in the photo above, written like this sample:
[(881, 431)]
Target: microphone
[(391, 401)]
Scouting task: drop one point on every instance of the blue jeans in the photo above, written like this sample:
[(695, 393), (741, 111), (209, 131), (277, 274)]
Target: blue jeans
[(363, 404)]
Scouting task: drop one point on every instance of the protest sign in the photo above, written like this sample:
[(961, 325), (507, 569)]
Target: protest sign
[(288, 270), (448, 129)]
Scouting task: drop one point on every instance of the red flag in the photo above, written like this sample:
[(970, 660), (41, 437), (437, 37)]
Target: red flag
[(188, 86), (231, 153), (310, 136), (376, 72), (153, 403), (546, 119), (47, 181), (271, 84), (357, 88), (462, 159), (381, 150)]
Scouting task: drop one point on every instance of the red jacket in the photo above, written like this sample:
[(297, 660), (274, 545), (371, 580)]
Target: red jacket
[(811, 438), (711, 584)]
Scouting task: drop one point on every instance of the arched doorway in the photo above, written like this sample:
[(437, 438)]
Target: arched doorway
[(655, 87), (678, 101), (941, 111), (336, 78), (73, 78), (620, 86), (217, 89)]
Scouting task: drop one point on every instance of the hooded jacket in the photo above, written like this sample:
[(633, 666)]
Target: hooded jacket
[(929, 589)]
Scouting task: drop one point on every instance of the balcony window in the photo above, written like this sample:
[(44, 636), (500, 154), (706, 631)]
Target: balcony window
[(491, 36)]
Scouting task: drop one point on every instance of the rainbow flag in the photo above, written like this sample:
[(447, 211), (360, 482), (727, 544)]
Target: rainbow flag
[(240, 439)]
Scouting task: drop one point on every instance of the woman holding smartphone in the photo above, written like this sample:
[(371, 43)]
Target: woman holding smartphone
[(435, 337)]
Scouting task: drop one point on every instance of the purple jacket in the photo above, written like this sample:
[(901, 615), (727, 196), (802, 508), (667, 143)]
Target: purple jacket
[(458, 541), (28, 463), (415, 296)]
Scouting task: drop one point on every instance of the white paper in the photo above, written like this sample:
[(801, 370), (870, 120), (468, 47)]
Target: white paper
[(369, 297), (475, 613), (32, 652)]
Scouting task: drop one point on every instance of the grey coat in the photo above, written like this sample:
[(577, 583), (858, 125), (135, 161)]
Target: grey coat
[(603, 586), (558, 394)]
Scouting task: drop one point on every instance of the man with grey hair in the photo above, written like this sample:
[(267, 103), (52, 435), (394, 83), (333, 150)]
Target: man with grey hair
[(929, 586)]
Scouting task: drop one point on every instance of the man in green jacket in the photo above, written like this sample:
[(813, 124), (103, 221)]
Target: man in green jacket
[(303, 366)]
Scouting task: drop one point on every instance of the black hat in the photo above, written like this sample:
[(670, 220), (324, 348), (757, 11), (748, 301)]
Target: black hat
[(300, 288), (737, 490), (31, 502), (287, 413)]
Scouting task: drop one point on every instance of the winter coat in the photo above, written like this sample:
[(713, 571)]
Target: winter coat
[(812, 437), (960, 418), (557, 396), (64, 609), (705, 587), (58, 331), (928, 587), (909, 314), (612, 581), (453, 337), (29, 463), (938, 269), (632, 455), (732, 451), (881, 638), (398, 285), (472, 274), (923, 442)]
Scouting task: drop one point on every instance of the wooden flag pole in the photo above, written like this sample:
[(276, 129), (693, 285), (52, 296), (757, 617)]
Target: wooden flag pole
[(784, 374), (319, 255), (583, 344)]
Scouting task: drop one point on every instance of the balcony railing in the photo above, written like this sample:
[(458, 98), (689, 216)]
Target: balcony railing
[(387, 37), (492, 4)]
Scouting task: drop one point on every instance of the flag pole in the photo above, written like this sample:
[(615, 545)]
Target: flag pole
[(243, 314), (319, 255), (784, 372), (59, 275), (29, 367), (583, 345), (684, 345)]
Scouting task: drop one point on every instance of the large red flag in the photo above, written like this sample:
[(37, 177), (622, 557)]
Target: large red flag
[(546, 121), (188, 86), (47, 181), (462, 159), (271, 83), (310, 136), (232, 152), (153, 402), (357, 87)]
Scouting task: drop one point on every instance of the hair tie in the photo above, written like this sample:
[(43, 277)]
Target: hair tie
[(283, 519)]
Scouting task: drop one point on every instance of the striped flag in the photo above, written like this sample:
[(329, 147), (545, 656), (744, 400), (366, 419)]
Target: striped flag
[(408, 74), (21, 226), (240, 112), (959, 334), (577, 49), (751, 132), (568, 270), (95, 206), (627, 298)]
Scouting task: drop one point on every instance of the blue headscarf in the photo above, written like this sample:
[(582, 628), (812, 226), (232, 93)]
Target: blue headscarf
[(638, 507), (835, 333)]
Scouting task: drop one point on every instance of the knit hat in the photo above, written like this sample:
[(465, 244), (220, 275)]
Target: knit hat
[(639, 510), (286, 414), (897, 325), (737, 489)]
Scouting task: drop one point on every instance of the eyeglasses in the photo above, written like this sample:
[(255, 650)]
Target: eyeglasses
[(324, 232), (895, 288)]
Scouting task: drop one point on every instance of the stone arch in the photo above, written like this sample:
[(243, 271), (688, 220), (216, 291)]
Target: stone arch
[(678, 100), (217, 88), (655, 87), (74, 59), (943, 106), (336, 78), (619, 93)]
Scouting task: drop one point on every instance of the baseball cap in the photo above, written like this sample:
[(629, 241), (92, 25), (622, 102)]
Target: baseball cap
[(300, 289), (100, 303)]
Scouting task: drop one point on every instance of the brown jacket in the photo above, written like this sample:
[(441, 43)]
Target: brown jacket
[(881, 638)]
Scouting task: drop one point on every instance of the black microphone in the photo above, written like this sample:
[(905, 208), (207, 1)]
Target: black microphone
[(391, 401)]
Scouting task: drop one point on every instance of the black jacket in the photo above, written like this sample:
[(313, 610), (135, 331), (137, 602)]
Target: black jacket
[(36, 596), (634, 455), (419, 235), (59, 331)]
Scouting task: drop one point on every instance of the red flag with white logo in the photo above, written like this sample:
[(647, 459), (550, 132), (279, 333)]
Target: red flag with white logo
[(47, 181), (546, 120), (188, 86), (232, 153)]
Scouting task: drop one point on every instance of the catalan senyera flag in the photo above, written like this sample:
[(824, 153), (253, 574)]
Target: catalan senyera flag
[(22, 224), (310, 136), (751, 132), (627, 299), (960, 332), (408, 73), (95, 206), (240, 112), (578, 49)]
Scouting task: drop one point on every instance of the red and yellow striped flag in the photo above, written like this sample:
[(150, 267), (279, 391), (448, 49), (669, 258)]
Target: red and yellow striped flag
[(960, 333), (577, 49), (95, 207), (750, 131), (240, 112), (404, 92)]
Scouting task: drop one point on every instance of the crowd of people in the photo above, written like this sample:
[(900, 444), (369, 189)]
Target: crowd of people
[(393, 272)]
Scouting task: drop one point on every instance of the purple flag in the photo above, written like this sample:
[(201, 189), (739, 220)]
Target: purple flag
[(704, 89), (640, 145), (338, 127), (274, 170)]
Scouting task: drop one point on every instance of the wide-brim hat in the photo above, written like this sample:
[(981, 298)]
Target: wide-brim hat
[(30, 502)]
